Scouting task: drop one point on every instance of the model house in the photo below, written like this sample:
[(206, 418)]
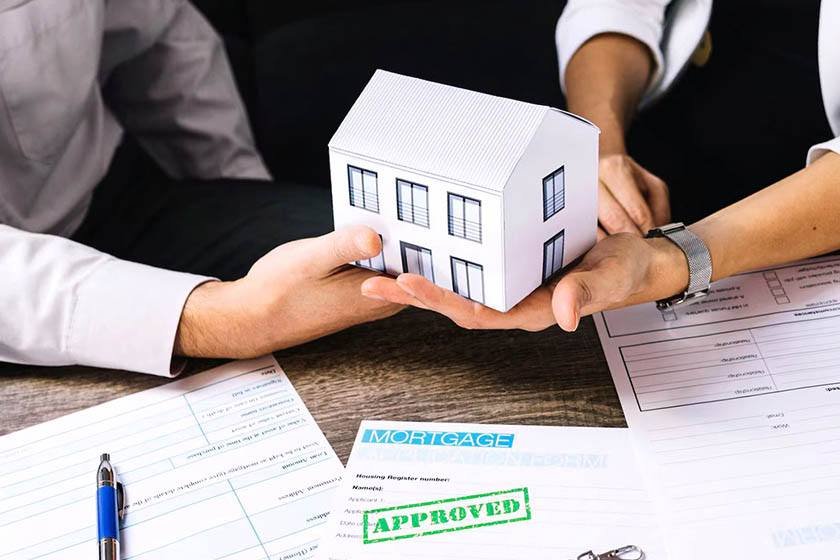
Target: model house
[(486, 196)]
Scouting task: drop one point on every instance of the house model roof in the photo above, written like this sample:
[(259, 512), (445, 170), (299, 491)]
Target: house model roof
[(439, 130)]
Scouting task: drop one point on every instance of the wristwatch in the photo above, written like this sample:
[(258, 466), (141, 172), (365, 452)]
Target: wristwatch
[(699, 263)]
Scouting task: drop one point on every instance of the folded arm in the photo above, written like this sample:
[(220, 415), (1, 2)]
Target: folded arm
[(172, 87)]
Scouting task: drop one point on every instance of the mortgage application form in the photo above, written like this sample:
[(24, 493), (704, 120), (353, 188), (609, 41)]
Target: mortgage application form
[(469, 491), (734, 404), (227, 464)]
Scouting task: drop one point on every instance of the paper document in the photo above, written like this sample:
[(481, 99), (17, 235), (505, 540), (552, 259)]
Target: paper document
[(227, 464), (467, 491), (734, 402)]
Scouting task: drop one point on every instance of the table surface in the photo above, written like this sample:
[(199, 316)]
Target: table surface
[(414, 366)]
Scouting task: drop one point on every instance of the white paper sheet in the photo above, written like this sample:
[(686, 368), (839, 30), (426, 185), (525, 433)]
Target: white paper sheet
[(734, 403), (584, 491), (225, 464)]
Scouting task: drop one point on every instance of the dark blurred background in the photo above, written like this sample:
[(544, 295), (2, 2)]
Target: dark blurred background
[(300, 65)]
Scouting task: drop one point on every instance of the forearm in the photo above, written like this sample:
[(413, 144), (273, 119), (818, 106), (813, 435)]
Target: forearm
[(223, 320), (297, 292), (605, 80), (795, 218), (207, 322), (789, 220), (792, 219)]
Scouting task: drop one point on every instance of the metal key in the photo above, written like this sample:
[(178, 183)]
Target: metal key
[(630, 552)]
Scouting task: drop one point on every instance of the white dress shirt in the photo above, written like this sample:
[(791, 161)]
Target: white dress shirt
[(74, 74), (673, 38)]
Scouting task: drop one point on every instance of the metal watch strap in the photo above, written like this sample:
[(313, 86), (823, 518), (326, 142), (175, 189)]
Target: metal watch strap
[(699, 262)]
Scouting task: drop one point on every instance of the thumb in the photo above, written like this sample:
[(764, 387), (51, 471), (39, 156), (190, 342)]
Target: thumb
[(343, 246), (578, 294)]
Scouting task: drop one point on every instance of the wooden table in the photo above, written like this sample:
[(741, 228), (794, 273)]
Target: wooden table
[(415, 366)]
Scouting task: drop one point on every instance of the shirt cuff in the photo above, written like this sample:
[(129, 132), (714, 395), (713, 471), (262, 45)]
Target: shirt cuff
[(576, 27), (125, 316), (820, 150)]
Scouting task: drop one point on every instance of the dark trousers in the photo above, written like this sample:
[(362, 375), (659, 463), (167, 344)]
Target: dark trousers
[(216, 228)]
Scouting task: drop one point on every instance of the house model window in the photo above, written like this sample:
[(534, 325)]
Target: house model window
[(465, 217), (417, 260), (468, 279), (553, 255), (473, 186), (364, 192), (554, 193), (413, 203)]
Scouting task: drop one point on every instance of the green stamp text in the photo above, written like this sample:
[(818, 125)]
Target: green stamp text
[(444, 516)]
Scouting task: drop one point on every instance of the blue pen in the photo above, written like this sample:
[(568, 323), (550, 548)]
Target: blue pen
[(108, 507)]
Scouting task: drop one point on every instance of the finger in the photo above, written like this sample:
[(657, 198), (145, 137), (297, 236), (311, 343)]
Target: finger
[(658, 196), (612, 215), (384, 288), (581, 293), (465, 313), (324, 254), (601, 233), (624, 186), (534, 313)]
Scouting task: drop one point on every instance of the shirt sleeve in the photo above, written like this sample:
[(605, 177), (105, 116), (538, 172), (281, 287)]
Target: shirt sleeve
[(819, 150), (170, 84), (583, 19), (64, 303)]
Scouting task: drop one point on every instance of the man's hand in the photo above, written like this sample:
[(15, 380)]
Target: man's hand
[(298, 292), (531, 314), (631, 199), (621, 270)]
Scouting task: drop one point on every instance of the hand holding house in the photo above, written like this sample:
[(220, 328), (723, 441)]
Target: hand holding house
[(483, 195)]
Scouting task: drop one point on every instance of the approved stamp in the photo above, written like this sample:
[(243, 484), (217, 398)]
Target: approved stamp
[(444, 516)]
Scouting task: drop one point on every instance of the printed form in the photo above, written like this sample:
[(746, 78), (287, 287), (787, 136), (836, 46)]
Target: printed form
[(467, 491), (227, 464), (734, 404)]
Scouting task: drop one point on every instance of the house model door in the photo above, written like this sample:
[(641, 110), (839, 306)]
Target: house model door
[(467, 279), (417, 260), (553, 255)]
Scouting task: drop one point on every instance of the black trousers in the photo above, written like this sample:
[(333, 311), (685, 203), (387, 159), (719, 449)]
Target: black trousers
[(216, 228)]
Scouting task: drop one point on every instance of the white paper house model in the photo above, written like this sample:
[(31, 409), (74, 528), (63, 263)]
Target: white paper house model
[(485, 196)]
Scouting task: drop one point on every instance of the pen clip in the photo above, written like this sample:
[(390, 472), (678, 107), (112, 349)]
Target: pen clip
[(629, 552), (120, 500)]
